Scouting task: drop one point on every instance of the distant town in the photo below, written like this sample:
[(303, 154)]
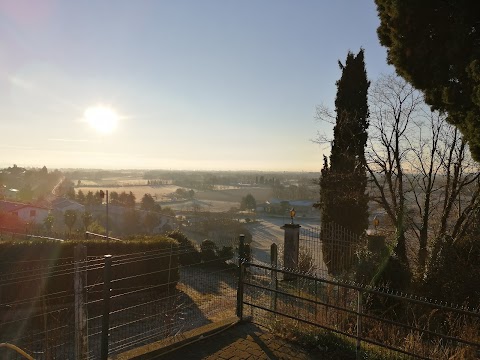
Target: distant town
[(68, 203)]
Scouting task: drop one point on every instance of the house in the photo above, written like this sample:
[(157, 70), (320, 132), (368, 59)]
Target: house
[(64, 204), (25, 212)]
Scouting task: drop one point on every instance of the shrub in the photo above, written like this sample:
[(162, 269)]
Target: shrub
[(212, 255), (225, 254), (188, 253), (208, 251), (454, 275)]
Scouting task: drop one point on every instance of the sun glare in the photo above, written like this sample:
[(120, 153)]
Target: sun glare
[(102, 118)]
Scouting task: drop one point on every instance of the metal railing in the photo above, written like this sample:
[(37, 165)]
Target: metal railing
[(372, 320)]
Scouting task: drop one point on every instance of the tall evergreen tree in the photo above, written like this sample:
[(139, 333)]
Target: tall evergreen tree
[(435, 45), (344, 180)]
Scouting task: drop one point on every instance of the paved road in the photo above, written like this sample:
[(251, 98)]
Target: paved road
[(240, 342)]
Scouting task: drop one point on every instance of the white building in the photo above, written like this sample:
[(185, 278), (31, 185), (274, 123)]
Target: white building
[(25, 212)]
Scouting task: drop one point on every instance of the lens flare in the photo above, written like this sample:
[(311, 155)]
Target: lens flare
[(102, 118)]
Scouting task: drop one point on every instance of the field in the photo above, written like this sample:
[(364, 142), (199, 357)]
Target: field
[(159, 192), (219, 200)]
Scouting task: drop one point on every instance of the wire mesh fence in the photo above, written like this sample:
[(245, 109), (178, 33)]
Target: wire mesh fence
[(149, 296), (35, 314)]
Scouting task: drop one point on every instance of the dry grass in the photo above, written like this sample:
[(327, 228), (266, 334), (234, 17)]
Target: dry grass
[(211, 289), (376, 330)]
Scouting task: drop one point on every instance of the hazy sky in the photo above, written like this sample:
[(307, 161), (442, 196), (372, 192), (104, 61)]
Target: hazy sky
[(196, 84)]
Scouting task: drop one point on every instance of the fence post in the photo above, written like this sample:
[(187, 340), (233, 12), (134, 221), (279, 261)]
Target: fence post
[(274, 275), (359, 323), (81, 328), (107, 277), (241, 253), (170, 267), (241, 248)]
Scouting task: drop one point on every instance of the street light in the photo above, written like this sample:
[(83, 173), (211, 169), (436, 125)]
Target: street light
[(292, 214), (105, 195)]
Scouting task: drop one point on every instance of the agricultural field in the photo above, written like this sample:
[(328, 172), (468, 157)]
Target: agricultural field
[(221, 199), (231, 194), (158, 192)]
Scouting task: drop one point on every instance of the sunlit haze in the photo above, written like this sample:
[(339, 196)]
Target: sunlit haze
[(217, 85), (101, 118)]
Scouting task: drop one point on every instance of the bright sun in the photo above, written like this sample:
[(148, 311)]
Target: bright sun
[(102, 118)]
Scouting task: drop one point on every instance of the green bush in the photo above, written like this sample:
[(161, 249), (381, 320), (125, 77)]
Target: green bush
[(208, 251), (188, 253)]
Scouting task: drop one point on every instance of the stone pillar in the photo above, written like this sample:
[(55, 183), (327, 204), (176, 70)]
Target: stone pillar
[(290, 247)]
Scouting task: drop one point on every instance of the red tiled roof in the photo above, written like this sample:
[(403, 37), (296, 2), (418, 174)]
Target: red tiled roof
[(9, 206)]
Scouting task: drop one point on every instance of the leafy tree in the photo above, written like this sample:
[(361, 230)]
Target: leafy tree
[(70, 193), (248, 203), (48, 222), (26, 193), (70, 217), (188, 253), (131, 222), (130, 200), (150, 221), (87, 219), (96, 227), (147, 203), (113, 198), (81, 197), (66, 188), (90, 199), (434, 45), (127, 200), (343, 181)]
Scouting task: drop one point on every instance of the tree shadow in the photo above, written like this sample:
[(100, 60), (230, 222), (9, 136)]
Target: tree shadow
[(213, 280)]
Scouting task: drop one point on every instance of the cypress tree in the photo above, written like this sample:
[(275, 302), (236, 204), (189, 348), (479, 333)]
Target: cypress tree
[(343, 181)]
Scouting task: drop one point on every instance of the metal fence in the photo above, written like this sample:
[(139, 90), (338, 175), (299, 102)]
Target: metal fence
[(328, 250), (109, 308), (39, 322), (374, 323)]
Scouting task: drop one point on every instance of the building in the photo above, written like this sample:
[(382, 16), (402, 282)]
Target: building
[(27, 213), (64, 204)]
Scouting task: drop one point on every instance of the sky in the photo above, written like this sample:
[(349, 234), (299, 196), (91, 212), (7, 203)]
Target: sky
[(184, 84)]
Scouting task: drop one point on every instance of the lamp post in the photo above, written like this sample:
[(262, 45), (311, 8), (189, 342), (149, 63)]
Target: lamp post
[(102, 195)]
